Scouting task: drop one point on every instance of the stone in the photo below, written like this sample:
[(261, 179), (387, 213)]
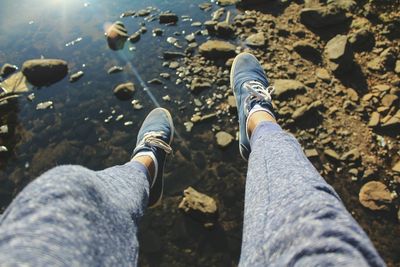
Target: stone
[(323, 74), (389, 99), (44, 105), (115, 69), (144, 12), (165, 75), (224, 29), (205, 6), (136, 104), (226, 2), (396, 167), (155, 81), (256, 40), (44, 72), (168, 55), (168, 18), (352, 155), (3, 149), (285, 88), (311, 153), (7, 69), (307, 50), (224, 139), (397, 67), (362, 40), (173, 65), (199, 84), (375, 195), (199, 206), (384, 62), (321, 17), (129, 13), (3, 129), (306, 110), (116, 36), (214, 49), (14, 85), (158, 32), (190, 38), (134, 37), (338, 54), (374, 119), (124, 91), (330, 153), (76, 76)]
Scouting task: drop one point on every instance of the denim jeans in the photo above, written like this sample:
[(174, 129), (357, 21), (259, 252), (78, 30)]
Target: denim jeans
[(73, 216)]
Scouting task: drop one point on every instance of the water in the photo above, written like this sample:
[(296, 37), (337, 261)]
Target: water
[(74, 132)]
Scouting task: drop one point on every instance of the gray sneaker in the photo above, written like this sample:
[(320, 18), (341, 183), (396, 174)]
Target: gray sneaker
[(156, 136), (250, 87)]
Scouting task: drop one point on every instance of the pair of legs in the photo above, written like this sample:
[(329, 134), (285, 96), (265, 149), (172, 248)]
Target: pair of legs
[(72, 216)]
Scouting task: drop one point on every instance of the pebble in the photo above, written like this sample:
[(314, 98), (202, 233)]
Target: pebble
[(44, 105)]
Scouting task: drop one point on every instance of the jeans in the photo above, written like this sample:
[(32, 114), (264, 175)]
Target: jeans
[(72, 216)]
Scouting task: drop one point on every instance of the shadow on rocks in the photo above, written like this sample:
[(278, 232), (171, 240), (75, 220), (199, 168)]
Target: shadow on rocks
[(354, 78), (274, 7)]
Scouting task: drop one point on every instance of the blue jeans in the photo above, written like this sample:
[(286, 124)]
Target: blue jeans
[(72, 216)]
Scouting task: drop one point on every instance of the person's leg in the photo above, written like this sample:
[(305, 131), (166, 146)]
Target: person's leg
[(292, 216), (72, 216)]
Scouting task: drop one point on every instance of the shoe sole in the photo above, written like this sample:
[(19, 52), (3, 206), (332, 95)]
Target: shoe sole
[(171, 124), (231, 82)]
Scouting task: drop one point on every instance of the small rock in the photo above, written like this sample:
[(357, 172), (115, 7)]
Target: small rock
[(144, 12), (323, 74), (44, 105), (129, 13), (199, 206), (397, 67), (168, 18), (188, 126), (134, 37), (217, 49), (198, 85), (43, 72), (330, 153), (136, 104), (362, 40), (311, 153), (76, 76), (190, 38), (396, 167), (7, 69), (116, 36), (352, 155), (155, 81), (168, 55), (165, 75), (374, 120), (173, 65), (115, 69), (389, 99), (224, 139), (4, 129), (256, 40), (158, 32), (166, 98), (375, 196), (3, 149), (338, 54), (285, 88), (124, 91)]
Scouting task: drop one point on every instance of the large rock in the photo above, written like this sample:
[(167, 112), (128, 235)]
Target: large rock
[(338, 54), (43, 72), (375, 196), (217, 49), (362, 40), (285, 88), (116, 36), (124, 91), (256, 40), (320, 17), (199, 206)]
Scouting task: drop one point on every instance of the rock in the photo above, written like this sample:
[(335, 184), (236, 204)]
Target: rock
[(385, 61), (14, 85), (165, 75), (306, 110), (396, 167), (43, 72), (196, 24), (3, 129), (173, 65), (388, 100), (168, 18), (374, 120), (339, 55), (307, 50), (136, 104), (330, 153), (397, 67), (311, 153), (190, 38), (124, 91), (285, 88), (158, 32), (199, 206), (188, 126), (134, 37), (44, 105), (256, 40), (362, 40), (115, 69), (129, 13), (224, 29), (217, 49), (116, 36), (226, 2), (321, 17), (199, 84), (3, 149), (144, 12), (375, 196), (352, 155), (168, 55), (205, 6), (76, 76), (224, 139), (210, 25), (323, 74), (7, 69), (155, 81)]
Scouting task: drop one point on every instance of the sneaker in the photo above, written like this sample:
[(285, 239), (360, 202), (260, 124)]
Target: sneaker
[(252, 92), (154, 140)]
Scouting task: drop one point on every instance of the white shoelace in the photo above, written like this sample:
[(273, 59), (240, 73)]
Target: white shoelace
[(258, 92), (152, 139)]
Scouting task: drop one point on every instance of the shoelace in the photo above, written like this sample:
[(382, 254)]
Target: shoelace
[(258, 92), (153, 139)]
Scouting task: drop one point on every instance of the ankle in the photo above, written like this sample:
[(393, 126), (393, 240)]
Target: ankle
[(256, 118), (148, 162)]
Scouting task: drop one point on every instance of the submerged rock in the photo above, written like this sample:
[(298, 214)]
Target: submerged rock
[(134, 37), (44, 105), (199, 206), (43, 72), (217, 49), (116, 36), (375, 196), (76, 76), (115, 69), (168, 55), (124, 91)]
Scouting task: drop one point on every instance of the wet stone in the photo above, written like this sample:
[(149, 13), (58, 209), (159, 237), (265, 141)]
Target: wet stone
[(224, 139), (168, 18), (44, 105), (115, 69), (43, 72), (134, 38), (76, 76), (375, 195), (158, 32), (7, 69), (116, 36), (124, 91)]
